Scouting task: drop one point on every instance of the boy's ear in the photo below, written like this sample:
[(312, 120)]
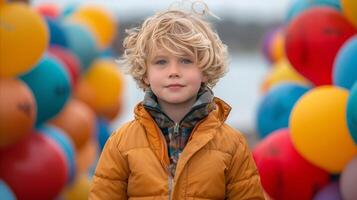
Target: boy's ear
[(146, 80)]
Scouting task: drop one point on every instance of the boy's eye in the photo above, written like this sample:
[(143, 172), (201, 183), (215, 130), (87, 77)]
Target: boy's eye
[(186, 61), (160, 62)]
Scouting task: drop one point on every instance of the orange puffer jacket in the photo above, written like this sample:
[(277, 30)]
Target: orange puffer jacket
[(215, 164)]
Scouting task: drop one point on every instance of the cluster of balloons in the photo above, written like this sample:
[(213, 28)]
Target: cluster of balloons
[(307, 118), (57, 97)]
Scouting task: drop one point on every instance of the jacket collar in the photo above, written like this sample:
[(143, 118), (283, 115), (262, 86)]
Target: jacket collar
[(201, 135)]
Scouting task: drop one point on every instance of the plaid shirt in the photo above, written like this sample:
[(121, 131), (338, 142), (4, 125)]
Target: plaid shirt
[(177, 134)]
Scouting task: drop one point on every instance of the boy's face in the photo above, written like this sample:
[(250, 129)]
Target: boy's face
[(174, 80)]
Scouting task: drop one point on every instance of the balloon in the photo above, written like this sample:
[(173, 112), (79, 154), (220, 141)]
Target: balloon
[(103, 132), (277, 47), (6, 192), (313, 57), (349, 8), (79, 190), (299, 6), (284, 173), (329, 192), (281, 72), (102, 86), (99, 21), (78, 121), (69, 9), (34, 168), (66, 145), (319, 128), (266, 43), (82, 43), (24, 35), (345, 70), (57, 35), (349, 180), (111, 113), (275, 107), (17, 111), (70, 61), (352, 112), (48, 10), (50, 85), (86, 156)]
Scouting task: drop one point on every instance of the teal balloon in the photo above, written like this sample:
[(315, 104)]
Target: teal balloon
[(298, 6), (5, 191), (69, 10), (82, 43), (345, 66), (274, 110), (352, 112), (51, 87), (66, 145)]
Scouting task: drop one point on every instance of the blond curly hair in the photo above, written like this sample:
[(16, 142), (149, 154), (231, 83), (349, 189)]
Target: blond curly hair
[(181, 33)]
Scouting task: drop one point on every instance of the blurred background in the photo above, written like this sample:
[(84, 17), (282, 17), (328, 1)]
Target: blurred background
[(291, 85)]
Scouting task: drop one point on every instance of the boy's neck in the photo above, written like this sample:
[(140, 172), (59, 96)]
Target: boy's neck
[(176, 112)]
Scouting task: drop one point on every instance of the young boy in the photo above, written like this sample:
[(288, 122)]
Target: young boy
[(178, 146)]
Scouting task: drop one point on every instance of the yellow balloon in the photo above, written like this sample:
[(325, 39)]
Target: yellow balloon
[(102, 85), (79, 190), (23, 38), (319, 128), (99, 21), (349, 9), (282, 71)]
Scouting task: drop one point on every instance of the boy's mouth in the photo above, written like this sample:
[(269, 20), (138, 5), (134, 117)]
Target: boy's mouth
[(174, 86)]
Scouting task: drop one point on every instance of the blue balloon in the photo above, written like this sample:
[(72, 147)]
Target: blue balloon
[(102, 132), (345, 66), (82, 43), (274, 110), (66, 145), (50, 84), (57, 36), (352, 112), (299, 6), (5, 191)]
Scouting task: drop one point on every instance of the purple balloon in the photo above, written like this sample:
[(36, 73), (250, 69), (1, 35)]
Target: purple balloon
[(348, 181), (329, 192), (267, 42)]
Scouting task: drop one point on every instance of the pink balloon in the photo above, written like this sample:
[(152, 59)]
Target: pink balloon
[(348, 182)]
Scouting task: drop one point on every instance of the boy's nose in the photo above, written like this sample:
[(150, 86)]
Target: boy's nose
[(174, 70)]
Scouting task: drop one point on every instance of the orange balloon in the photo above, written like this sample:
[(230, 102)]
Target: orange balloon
[(17, 111), (112, 112), (78, 121), (87, 156)]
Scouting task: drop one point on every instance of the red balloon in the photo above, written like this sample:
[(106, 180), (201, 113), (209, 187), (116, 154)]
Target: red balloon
[(69, 60), (284, 173), (48, 10), (34, 168), (313, 39)]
